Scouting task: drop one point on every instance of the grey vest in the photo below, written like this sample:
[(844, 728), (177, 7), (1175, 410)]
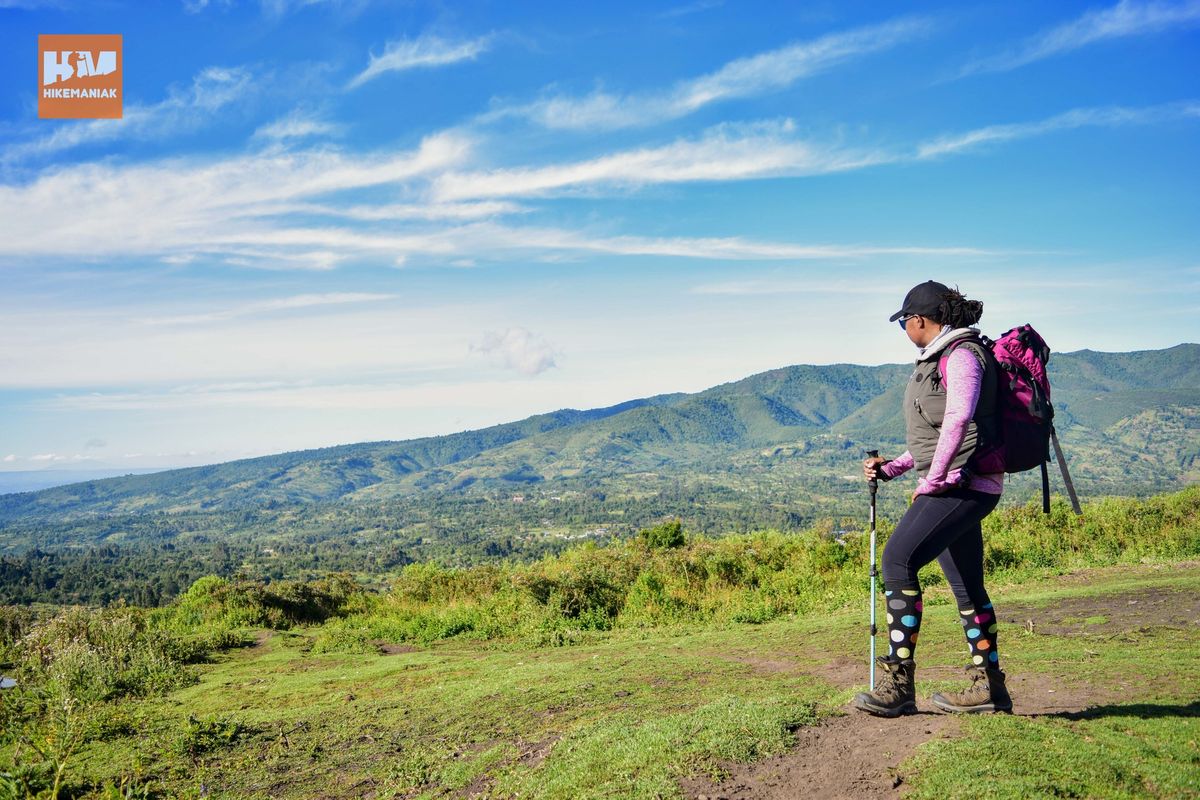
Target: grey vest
[(925, 407)]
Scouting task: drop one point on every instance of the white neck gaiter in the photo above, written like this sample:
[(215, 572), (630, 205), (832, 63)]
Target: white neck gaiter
[(944, 337)]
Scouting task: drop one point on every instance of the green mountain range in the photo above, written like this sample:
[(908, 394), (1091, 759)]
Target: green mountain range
[(1129, 422)]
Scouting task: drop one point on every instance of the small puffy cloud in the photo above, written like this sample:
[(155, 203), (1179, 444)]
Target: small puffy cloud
[(11, 457), (518, 349)]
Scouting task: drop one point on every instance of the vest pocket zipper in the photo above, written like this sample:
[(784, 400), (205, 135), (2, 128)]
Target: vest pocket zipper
[(921, 411)]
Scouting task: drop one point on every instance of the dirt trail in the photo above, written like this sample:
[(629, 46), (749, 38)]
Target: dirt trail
[(858, 755)]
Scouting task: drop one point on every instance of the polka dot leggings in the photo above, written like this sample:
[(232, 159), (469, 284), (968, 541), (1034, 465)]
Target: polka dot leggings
[(945, 527), (904, 609), (980, 626)]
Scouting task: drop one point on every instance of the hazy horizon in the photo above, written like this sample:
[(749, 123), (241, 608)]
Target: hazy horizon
[(20, 480)]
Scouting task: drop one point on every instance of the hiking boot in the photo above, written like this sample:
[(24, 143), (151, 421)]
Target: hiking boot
[(894, 693), (986, 694)]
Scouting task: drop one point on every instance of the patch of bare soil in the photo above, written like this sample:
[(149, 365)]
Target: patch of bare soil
[(857, 755), (394, 648), (534, 754), (851, 756), (1105, 614), (531, 755)]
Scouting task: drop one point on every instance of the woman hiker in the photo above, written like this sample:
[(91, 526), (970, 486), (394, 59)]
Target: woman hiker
[(949, 411)]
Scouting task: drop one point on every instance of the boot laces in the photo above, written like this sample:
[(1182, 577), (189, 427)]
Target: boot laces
[(977, 675), (889, 678)]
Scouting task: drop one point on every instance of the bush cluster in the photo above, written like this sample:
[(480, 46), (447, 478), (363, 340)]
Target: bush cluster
[(217, 613), (102, 654), (664, 576), (73, 669)]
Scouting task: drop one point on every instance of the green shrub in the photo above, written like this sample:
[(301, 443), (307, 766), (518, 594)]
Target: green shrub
[(104, 654), (668, 534), (216, 614), (649, 601), (200, 736)]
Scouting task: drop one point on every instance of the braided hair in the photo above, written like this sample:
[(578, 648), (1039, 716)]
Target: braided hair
[(957, 310)]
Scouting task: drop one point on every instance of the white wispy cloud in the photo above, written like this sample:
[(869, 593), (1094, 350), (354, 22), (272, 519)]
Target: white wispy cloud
[(744, 77), (398, 211), (733, 248), (114, 347), (689, 8), (264, 210), (388, 395), (781, 285), (517, 349), (268, 306), (428, 50), (187, 108), (732, 152), (1126, 18), (173, 207), (277, 8), (495, 241), (300, 210), (1113, 116), (56, 457), (298, 124), (724, 152)]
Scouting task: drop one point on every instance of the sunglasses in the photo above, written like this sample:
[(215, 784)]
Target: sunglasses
[(903, 321)]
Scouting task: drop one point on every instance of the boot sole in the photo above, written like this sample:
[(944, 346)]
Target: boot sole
[(982, 708), (883, 711)]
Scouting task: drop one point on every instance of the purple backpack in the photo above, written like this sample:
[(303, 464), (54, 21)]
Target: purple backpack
[(1025, 426)]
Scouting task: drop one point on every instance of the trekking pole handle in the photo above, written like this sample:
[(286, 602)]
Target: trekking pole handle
[(874, 484)]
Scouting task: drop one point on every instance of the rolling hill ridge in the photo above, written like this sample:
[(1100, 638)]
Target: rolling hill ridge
[(1126, 418)]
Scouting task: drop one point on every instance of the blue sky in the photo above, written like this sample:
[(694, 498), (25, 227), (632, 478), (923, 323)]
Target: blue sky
[(323, 222)]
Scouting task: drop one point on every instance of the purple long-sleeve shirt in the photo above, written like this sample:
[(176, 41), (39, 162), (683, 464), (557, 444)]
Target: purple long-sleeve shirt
[(964, 376)]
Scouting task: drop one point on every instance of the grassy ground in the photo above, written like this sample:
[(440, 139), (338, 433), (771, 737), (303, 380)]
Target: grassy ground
[(627, 713), (1138, 733)]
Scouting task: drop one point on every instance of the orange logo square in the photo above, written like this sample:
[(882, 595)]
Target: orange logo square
[(79, 76)]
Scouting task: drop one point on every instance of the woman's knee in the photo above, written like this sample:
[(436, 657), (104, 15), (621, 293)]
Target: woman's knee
[(898, 572)]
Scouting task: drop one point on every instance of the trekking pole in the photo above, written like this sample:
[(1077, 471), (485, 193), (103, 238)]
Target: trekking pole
[(874, 486), (1062, 465)]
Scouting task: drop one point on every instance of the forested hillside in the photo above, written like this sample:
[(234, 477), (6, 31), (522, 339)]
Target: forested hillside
[(779, 449)]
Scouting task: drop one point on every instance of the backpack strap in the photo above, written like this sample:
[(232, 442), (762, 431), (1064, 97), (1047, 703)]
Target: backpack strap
[(950, 348)]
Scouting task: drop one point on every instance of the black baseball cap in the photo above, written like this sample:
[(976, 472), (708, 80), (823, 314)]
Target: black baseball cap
[(924, 299)]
